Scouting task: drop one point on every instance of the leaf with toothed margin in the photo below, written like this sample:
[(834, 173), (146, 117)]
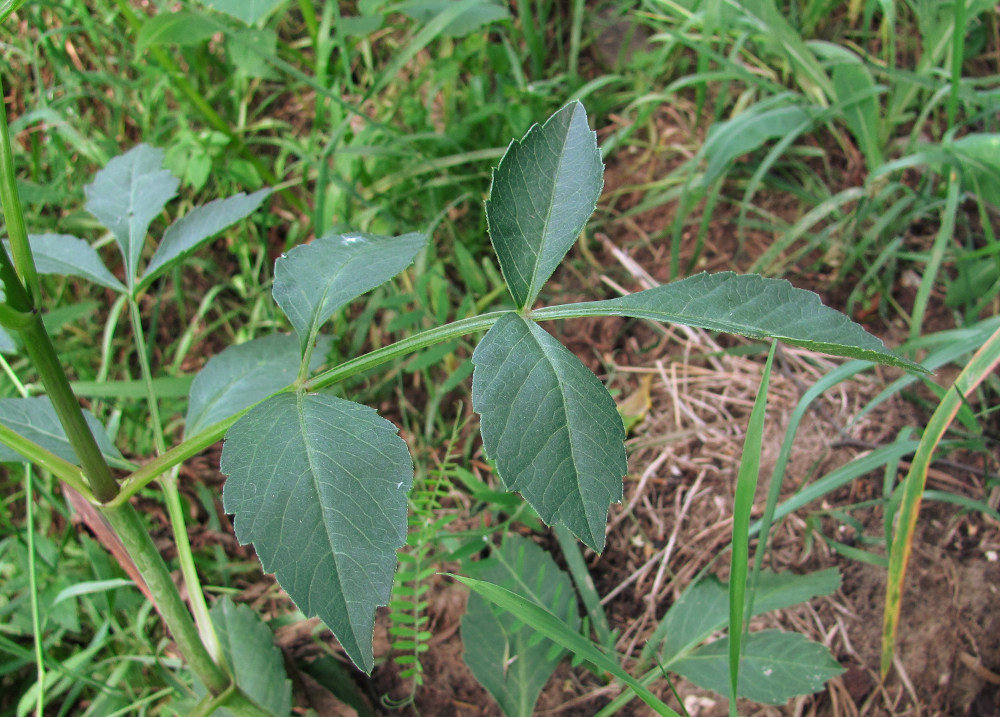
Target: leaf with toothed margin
[(314, 280), (127, 195), (199, 225), (318, 485), (544, 191), (748, 305), (69, 256), (243, 374), (551, 426)]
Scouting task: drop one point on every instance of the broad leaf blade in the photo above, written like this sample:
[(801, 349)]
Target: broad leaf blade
[(752, 306), (257, 664), (493, 640), (775, 591), (551, 425), (249, 11), (476, 17), (979, 156), (127, 195), (35, 418), (748, 131), (242, 375), (69, 256), (544, 191), (857, 95), (560, 633), (704, 607), (314, 280), (318, 485), (775, 667), (701, 610), (7, 343), (183, 27), (198, 225)]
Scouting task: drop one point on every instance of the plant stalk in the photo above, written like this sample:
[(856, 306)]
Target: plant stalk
[(171, 607), (172, 496), (14, 216), (43, 356), (174, 612)]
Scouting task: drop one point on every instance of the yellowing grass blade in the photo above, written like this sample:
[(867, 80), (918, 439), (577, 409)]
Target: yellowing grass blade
[(982, 363)]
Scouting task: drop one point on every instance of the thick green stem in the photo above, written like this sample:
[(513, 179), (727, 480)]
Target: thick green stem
[(22, 304), (155, 573), (43, 355), (148, 561)]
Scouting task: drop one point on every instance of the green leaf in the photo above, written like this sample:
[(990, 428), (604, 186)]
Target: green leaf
[(506, 656), (473, 19), (857, 94), (775, 667), (551, 426), (248, 11), (8, 7), (257, 664), (35, 419), (199, 225), (242, 375), (544, 191), (775, 591), (560, 633), (69, 256), (127, 195), (704, 607), (748, 305), (748, 131), (319, 485), (979, 156), (183, 27), (314, 280), (251, 50), (701, 610), (7, 343)]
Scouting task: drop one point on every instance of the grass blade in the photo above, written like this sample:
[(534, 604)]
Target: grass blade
[(746, 487), (941, 243), (980, 365), (544, 622), (584, 585)]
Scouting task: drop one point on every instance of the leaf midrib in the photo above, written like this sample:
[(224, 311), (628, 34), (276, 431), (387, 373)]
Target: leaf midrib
[(300, 396), (569, 432), (543, 239)]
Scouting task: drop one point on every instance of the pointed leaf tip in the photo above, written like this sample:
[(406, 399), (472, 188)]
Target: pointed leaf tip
[(127, 195), (544, 191), (752, 306), (551, 425), (314, 280), (318, 485)]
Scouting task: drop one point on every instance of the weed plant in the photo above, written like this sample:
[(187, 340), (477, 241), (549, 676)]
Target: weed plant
[(379, 122)]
